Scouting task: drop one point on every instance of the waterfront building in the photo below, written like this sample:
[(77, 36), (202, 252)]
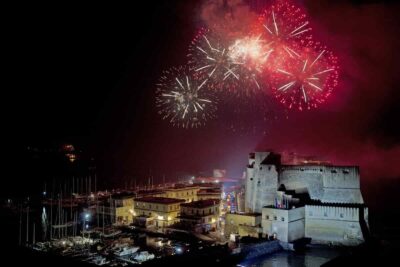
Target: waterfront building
[(243, 224), (331, 209), (201, 216), (156, 211)]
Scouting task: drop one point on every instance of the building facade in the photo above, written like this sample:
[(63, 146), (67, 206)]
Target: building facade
[(158, 210), (187, 193), (243, 224), (201, 216)]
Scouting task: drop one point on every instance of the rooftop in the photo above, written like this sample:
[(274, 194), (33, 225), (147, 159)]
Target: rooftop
[(250, 214), (182, 187), (209, 191), (201, 203), (159, 200)]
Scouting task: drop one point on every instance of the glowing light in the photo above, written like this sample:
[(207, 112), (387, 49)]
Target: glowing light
[(160, 217)]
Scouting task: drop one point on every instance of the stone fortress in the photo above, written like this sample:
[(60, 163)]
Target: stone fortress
[(318, 201)]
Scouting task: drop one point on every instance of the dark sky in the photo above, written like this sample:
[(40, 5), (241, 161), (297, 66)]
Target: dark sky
[(86, 75)]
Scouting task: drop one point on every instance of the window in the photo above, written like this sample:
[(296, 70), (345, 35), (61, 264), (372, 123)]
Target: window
[(269, 168), (325, 214), (346, 171), (251, 179), (341, 215), (267, 217), (275, 218), (282, 219), (333, 171)]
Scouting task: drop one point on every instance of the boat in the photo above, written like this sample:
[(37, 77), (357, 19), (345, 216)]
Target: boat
[(110, 233), (125, 251), (100, 261), (143, 256)]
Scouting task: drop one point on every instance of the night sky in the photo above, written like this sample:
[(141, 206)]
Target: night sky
[(86, 75)]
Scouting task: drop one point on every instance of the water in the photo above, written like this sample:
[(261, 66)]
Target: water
[(312, 257)]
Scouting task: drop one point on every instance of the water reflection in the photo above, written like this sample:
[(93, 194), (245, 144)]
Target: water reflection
[(310, 258)]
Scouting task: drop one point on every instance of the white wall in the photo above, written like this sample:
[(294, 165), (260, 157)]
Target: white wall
[(290, 229), (336, 225)]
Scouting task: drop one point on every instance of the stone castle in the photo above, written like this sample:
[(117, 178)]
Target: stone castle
[(319, 201)]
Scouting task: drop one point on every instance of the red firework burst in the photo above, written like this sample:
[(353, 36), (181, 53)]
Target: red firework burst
[(285, 29), (306, 81)]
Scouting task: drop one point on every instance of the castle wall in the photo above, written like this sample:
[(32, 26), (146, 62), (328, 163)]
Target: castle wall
[(287, 225), (265, 184), (261, 183), (330, 184), (335, 225)]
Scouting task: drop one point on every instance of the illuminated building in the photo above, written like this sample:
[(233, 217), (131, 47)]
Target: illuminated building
[(187, 193), (243, 224), (156, 211), (124, 209), (333, 212), (202, 215)]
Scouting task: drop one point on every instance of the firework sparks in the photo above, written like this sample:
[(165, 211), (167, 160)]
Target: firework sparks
[(183, 100), (303, 84), (285, 29), (230, 69)]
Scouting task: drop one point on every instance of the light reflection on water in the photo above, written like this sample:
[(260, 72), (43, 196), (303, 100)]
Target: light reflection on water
[(312, 257)]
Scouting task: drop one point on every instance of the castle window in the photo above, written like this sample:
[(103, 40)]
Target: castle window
[(269, 168), (320, 170), (275, 218), (267, 217), (325, 214), (282, 219), (341, 215), (333, 171), (260, 168), (251, 179), (346, 171), (302, 169)]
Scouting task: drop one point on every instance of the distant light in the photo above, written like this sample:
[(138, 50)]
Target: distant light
[(160, 217), (87, 226), (217, 181), (44, 193), (202, 181), (169, 218), (63, 243), (178, 250), (87, 216), (193, 177)]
